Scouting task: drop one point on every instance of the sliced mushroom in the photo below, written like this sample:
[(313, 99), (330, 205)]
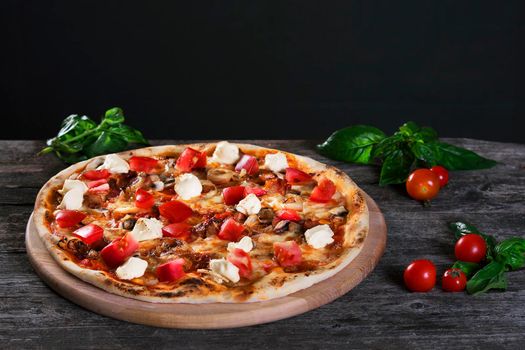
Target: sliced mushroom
[(220, 176), (281, 226), (265, 215)]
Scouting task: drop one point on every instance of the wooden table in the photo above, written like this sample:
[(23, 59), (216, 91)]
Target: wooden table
[(379, 313)]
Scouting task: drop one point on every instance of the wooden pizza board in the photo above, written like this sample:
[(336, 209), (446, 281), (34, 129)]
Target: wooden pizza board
[(216, 315)]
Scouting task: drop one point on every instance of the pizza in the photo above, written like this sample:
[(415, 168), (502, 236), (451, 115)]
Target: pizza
[(202, 223)]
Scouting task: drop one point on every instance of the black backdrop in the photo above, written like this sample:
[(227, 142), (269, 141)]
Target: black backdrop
[(265, 69)]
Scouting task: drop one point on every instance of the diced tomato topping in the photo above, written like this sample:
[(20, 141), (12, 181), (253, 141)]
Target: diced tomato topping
[(115, 253), (295, 176), (222, 216), (287, 253), (179, 230), (255, 190), (288, 214), (100, 189), (175, 211), (171, 271), (69, 218), (231, 230), (323, 192), (96, 174), (249, 163), (144, 199), (269, 265), (142, 164), (233, 195), (96, 183), (241, 259), (191, 159), (89, 234)]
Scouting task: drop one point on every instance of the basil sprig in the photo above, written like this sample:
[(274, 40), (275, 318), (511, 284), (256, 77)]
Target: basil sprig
[(501, 257), (410, 147), (81, 138)]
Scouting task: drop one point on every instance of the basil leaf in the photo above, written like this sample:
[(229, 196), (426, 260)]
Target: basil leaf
[(492, 276), (424, 152), (461, 228), (113, 116), (130, 134), (457, 158), (511, 253), (106, 143), (75, 125), (426, 135), (396, 167), (468, 268), (386, 145), (409, 128), (352, 144)]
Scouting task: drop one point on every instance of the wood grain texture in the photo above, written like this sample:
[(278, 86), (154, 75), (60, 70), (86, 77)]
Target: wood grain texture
[(379, 313)]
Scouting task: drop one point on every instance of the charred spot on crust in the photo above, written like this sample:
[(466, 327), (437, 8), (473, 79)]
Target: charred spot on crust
[(192, 281), (178, 294)]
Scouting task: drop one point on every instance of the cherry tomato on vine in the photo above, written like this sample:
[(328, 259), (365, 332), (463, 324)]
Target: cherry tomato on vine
[(422, 185), (420, 276), (454, 280), (470, 248), (442, 174)]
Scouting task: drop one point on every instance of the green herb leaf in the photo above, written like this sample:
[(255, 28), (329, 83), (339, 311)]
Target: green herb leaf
[(468, 268), (426, 135), (129, 134), (511, 253), (462, 228), (409, 128), (396, 167), (492, 276), (425, 152), (113, 116), (352, 144), (457, 158), (105, 143)]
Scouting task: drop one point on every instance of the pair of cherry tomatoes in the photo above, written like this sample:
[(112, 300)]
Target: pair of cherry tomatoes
[(420, 275), (424, 184)]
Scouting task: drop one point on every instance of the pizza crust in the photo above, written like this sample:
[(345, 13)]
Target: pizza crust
[(273, 285)]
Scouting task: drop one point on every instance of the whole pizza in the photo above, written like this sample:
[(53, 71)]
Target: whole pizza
[(202, 223)]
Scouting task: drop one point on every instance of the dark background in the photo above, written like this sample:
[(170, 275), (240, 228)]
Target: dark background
[(265, 69)]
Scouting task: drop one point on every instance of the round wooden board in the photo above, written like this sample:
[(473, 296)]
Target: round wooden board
[(216, 315)]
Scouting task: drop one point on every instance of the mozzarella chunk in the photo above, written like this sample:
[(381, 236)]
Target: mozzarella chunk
[(245, 244), (73, 191), (226, 153), (188, 186), (115, 164), (132, 268), (146, 229), (72, 184), (275, 162), (225, 269), (250, 205), (338, 210), (319, 236)]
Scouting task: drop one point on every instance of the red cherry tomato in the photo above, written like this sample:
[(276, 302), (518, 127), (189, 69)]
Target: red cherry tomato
[(422, 185), (249, 163), (115, 253), (288, 214), (142, 164), (471, 248), (69, 218), (442, 174), (171, 271), (294, 176), (89, 234), (233, 195), (420, 276), (96, 183), (241, 259), (190, 159), (287, 253), (179, 230), (175, 211), (144, 199), (454, 280), (255, 190), (323, 192), (231, 230), (96, 174)]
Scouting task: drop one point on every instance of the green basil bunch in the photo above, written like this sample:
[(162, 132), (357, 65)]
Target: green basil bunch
[(81, 138), (507, 255), (408, 148)]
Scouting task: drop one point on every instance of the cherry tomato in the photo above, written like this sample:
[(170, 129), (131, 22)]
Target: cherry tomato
[(288, 214), (471, 248), (241, 259), (454, 280), (96, 183), (96, 174), (233, 195), (144, 199), (442, 174), (323, 192), (190, 159), (255, 190), (249, 163), (89, 234), (231, 230), (178, 230), (294, 176), (287, 253), (171, 271), (422, 185), (175, 211), (142, 164), (420, 276), (115, 253), (69, 218)]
